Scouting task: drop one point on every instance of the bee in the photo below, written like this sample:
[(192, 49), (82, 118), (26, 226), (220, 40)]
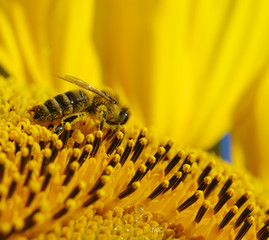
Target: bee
[(104, 105)]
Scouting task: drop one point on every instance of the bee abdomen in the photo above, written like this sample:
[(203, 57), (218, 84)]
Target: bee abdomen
[(62, 105)]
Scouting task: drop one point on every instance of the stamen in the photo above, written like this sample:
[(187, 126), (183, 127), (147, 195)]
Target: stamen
[(244, 215), (100, 183), (142, 134), (206, 171), (129, 190), (13, 185), (35, 187), (191, 200), (204, 184), (51, 171), (45, 161), (186, 168), (99, 194), (2, 165), (188, 160), (139, 173), (127, 151), (73, 168), (167, 148), (173, 180), (225, 197), (115, 142), (202, 211), (212, 185), (159, 189), (31, 166), (96, 142), (55, 149), (158, 155), (90, 138), (115, 159), (26, 153), (86, 151), (263, 233), (228, 217), (70, 204), (243, 230), (174, 162), (140, 146), (226, 185), (81, 186), (74, 156), (78, 138), (65, 135), (243, 199)]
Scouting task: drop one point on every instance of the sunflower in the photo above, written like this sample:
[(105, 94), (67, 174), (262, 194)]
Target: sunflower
[(193, 70)]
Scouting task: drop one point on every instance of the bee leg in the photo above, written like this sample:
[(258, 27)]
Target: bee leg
[(60, 127)]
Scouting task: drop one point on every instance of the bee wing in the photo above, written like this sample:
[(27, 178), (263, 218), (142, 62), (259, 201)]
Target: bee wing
[(86, 86)]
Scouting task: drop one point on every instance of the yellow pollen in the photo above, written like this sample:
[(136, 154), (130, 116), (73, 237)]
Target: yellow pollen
[(74, 166), (88, 148), (108, 170), (25, 151), (47, 152), (90, 138)]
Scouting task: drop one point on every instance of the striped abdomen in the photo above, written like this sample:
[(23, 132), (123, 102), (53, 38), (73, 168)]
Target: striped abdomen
[(62, 105)]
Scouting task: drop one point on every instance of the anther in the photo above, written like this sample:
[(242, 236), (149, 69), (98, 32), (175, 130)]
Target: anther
[(244, 215), (204, 184), (191, 200), (3, 158), (243, 230), (158, 155), (13, 185), (185, 170), (174, 162), (127, 151), (139, 174), (100, 183), (140, 146), (225, 197), (116, 141), (57, 146), (73, 167), (142, 134), (65, 135), (202, 210), (31, 166), (45, 161), (51, 171), (26, 153), (263, 233), (99, 194), (78, 138), (35, 187), (159, 189), (70, 203), (96, 143), (226, 185), (167, 148), (74, 156), (243, 199), (173, 180), (115, 159), (212, 185), (188, 160), (129, 190), (206, 171), (228, 217), (89, 139), (81, 186), (86, 151)]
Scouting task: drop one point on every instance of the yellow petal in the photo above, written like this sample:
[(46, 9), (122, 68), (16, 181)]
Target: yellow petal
[(187, 62), (250, 134)]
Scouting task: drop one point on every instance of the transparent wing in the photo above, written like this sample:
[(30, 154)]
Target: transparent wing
[(86, 86)]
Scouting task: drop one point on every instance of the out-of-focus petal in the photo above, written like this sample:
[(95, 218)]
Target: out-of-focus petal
[(40, 39), (250, 134), (185, 64)]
